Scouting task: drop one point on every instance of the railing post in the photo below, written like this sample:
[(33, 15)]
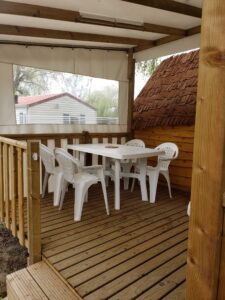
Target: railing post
[(33, 202)]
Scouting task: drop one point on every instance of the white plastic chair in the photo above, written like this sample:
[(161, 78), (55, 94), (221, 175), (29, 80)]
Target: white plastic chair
[(48, 159), (74, 173), (189, 209), (171, 152), (127, 164)]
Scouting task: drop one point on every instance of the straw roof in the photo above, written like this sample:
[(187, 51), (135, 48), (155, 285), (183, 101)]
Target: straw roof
[(169, 96)]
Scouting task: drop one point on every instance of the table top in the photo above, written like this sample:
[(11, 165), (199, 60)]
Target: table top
[(115, 150)]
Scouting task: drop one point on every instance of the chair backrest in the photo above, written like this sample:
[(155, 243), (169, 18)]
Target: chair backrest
[(135, 143), (48, 158), (171, 152), (69, 164)]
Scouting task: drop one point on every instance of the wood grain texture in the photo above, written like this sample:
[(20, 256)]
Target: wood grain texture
[(70, 35), (137, 250), (170, 5), (208, 178), (37, 11), (181, 168), (33, 202)]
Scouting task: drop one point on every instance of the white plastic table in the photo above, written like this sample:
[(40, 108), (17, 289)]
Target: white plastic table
[(118, 154)]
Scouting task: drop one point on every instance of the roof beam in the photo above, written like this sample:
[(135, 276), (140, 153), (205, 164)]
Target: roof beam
[(168, 39), (28, 10), (53, 45), (70, 35), (170, 5)]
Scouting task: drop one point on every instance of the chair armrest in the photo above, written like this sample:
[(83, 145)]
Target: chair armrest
[(94, 167)]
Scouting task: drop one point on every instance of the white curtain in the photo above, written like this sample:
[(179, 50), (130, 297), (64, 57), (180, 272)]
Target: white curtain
[(96, 63), (7, 108)]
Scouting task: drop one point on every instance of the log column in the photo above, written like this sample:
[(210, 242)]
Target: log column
[(208, 179)]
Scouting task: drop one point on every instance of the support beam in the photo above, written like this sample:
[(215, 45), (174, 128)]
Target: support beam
[(168, 39), (70, 35), (170, 5), (131, 78), (28, 10), (208, 176)]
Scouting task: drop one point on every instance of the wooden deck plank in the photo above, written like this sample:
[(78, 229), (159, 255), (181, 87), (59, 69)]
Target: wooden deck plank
[(177, 294), (95, 225), (139, 251), (168, 284), (132, 283), (128, 225), (37, 282), (50, 283), (22, 286), (117, 246), (94, 277), (62, 261)]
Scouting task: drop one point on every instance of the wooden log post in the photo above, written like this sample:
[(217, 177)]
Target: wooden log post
[(33, 202), (208, 177), (131, 79)]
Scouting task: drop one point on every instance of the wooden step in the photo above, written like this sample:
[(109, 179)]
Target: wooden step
[(36, 282)]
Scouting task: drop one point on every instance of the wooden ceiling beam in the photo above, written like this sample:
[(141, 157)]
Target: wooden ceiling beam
[(170, 5), (70, 35), (22, 9), (168, 39), (28, 10), (52, 45)]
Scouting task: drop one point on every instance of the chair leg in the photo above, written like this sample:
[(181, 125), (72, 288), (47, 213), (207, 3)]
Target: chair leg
[(153, 182), (102, 179), (79, 197), (63, 189), (126, 169), (45, 182), (57, 185), (133, 183), (86, 197), (167, 176)]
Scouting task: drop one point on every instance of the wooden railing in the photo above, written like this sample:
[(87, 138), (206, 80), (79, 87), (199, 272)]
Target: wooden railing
[(20, 192), (20, 172)]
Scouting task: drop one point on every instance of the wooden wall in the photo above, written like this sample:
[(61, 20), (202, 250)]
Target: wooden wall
[(183, 136)]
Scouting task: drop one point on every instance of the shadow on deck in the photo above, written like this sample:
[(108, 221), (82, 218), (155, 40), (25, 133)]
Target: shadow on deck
[(138, 252)]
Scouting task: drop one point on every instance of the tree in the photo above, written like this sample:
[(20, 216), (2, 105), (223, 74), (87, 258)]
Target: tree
[(147, 68), (105, 101), (29, 81)]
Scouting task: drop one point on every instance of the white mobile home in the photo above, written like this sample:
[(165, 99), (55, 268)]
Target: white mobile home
[(54, 109)]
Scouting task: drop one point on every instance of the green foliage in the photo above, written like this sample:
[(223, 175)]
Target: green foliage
[(105, 101), (147, 68)]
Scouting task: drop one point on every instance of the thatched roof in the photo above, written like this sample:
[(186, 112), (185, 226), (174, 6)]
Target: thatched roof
[(169, 96)]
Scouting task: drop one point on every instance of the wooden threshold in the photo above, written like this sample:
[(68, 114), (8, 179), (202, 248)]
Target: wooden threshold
[(37, 282)]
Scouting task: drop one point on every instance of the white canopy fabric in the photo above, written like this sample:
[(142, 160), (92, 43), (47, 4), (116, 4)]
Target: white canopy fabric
[(95, 63), (7, 109), (89, 62)]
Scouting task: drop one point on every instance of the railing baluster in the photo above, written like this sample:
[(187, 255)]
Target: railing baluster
[(13, 190), (6, 183), (20, 196)]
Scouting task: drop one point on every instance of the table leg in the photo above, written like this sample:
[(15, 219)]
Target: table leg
[(117, 184), (142, 178), (82, 158)]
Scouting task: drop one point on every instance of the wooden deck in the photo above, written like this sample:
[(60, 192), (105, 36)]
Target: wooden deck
[(138, 252)]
